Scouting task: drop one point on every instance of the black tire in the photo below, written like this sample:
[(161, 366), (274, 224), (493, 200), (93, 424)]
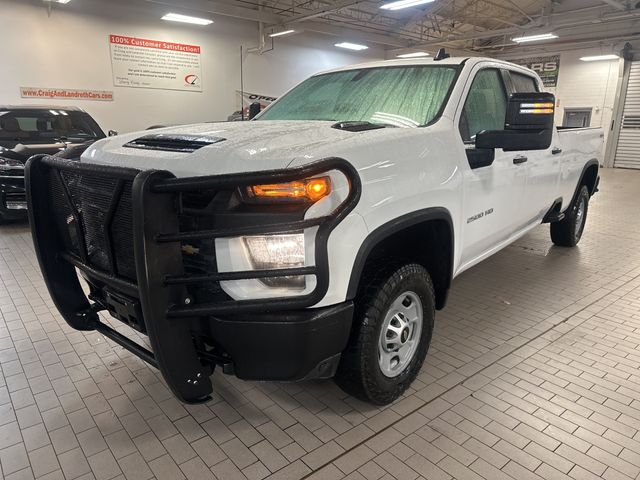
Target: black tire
[(359, 372), (568, 231)]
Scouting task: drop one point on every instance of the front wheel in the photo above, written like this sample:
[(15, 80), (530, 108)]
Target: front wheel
[(568, 231), (392, 330)]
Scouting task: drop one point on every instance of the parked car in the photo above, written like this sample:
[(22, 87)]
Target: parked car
[(318, 239), (31, 130)]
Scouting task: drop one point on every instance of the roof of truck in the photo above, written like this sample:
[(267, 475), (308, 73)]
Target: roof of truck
[(420, 61)]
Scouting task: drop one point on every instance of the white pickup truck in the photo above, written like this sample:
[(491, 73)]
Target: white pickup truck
[(319, 238)]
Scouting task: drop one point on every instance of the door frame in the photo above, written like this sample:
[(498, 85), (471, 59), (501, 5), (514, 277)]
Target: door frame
[(618, 111)]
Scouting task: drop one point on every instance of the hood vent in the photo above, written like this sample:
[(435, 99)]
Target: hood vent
[(173, 143), (357, 126)]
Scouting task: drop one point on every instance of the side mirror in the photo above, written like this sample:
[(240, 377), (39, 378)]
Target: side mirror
[(112, 133), (529, 124), (254, 109)]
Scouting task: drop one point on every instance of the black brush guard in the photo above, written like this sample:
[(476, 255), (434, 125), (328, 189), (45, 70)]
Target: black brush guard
[(63, 198)]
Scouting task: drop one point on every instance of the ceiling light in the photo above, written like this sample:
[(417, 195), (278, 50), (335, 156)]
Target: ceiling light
[(414, 55), (351, 46), (176, 17), (404, 4), (534, 38), (595, 58), (279, 34), (57, 1)]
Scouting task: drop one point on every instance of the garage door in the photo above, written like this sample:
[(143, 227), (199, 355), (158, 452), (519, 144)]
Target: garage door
[(628, 151)]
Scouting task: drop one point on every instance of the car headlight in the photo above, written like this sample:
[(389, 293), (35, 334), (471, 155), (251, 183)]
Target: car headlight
[(271, 252), (10, 164)]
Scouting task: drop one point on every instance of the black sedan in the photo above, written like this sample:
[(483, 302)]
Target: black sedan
[(31, 130)]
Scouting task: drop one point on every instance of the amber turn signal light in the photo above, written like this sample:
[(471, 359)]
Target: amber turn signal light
[(308, 190)]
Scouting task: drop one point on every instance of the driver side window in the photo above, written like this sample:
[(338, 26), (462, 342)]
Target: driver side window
[(486, 105)]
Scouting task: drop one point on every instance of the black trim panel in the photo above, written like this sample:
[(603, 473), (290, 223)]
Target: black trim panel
[(588, 165), (284, 345)]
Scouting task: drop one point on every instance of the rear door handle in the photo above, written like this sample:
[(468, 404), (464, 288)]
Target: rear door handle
[(556, 151), (519, 159)]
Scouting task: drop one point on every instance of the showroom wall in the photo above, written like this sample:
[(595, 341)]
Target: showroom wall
[(583, 84), (70, 49), (587, 85)]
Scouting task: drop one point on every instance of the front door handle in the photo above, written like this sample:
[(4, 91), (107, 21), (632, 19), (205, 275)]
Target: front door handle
[(519, 159), (556, 151)]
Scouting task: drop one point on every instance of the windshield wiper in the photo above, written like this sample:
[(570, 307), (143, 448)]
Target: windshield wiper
[(359, 125)]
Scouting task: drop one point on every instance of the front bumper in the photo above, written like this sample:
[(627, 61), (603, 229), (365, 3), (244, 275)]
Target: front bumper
[(123, 230), (13, 200), (285, 345)]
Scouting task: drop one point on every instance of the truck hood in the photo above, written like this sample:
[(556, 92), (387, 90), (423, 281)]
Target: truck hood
[(237, 147)]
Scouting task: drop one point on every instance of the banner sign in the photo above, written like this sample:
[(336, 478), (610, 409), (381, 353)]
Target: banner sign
[(547, 67), (66, 94), (141, 63), (244, 99)]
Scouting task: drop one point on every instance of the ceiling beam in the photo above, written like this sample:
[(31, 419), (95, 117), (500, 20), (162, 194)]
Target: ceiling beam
[(612, 42), (541, 22), (321, 11), (347, 33), (616, 4), (222, 9), (356, 35)]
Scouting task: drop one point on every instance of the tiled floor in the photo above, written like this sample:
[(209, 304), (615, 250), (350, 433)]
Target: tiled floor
[(534, 372)]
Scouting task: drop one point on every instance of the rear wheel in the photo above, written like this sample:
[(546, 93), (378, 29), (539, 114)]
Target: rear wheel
[(568, 231), (392, 330)]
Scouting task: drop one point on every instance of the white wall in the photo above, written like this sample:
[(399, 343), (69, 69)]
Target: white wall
[(70, 49), (587, 84), (584, 84)]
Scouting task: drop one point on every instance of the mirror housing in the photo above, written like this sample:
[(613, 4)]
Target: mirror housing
[(480, 157), (112, 133), (254, 109), (528, 126)]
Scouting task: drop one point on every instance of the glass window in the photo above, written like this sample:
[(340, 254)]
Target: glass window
[(400, 96), (486, 105), (523, 83), (46, 126)]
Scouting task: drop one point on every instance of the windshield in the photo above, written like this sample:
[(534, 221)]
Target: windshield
[(39, 126), (403, 96)]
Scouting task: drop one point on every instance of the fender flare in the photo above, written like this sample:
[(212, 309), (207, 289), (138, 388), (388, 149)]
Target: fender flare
[(586, 167), (386, 230)]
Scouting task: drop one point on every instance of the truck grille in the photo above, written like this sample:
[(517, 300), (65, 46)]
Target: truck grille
[(95, 220), (100, 231)]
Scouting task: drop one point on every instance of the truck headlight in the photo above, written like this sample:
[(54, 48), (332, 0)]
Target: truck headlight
[(270, 252), (307, 191)]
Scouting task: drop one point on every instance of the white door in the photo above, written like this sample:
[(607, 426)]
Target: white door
[(543, 165), (493, 194), (628, 151)]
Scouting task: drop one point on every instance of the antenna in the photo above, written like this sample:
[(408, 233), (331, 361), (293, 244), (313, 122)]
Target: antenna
[(441, 55), (241, 87)]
